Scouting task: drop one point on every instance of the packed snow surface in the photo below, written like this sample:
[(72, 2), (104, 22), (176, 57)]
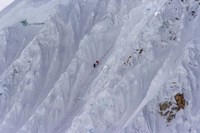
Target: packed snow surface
[(148, 51)]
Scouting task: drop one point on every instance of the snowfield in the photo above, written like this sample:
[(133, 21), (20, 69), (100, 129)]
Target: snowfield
[(148, 51)]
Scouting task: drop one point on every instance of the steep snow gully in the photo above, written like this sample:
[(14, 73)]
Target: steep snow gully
[(148, 51)]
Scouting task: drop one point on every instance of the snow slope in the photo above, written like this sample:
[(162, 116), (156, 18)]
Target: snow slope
[(48, 83)]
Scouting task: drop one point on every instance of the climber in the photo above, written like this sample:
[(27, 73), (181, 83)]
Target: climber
[(24, 22), (95, 64)]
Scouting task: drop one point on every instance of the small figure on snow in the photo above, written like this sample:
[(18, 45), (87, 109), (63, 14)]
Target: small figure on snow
[(95, 64), (24, 22)]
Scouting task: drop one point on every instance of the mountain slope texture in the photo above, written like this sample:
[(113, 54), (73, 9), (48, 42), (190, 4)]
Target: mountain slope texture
[(100, 66)]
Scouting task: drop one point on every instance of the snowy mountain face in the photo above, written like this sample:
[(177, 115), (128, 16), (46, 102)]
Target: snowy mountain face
[(148, 51)]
